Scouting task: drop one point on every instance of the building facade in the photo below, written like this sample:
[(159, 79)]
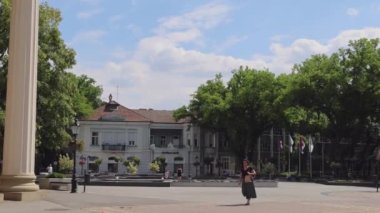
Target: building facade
[(116, 132)]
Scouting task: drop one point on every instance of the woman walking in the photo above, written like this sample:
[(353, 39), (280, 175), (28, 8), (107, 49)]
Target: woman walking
[(247, 176)]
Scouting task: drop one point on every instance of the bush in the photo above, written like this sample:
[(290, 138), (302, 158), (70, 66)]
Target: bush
[(154, 167), (55, 175), (132, 168), (268, 169), (135, 160), (65, 164)]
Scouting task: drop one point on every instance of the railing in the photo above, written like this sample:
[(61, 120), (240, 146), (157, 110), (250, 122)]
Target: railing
[(113, 147), (176, 146)]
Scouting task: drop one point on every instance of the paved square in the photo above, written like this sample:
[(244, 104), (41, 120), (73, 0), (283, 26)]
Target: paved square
[(288, 197)]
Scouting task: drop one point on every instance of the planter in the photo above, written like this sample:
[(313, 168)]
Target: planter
[(54, 183)]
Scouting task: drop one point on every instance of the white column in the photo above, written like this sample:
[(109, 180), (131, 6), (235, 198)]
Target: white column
[(20, 115)]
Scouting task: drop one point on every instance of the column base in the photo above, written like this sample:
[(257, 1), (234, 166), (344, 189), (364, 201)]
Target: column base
[(24, 196), (18, 183)]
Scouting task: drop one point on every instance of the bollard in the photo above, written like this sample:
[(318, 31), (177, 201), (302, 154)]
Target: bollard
[(86, 181)]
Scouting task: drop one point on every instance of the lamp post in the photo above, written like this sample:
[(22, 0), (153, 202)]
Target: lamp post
[(377, 158), (75, 131)]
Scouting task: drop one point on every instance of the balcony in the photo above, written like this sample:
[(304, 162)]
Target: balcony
[(170, 146), (113, 147)]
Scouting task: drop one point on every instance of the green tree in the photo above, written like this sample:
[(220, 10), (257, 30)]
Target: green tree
[(61, 95), (207, 106), (251, 94)]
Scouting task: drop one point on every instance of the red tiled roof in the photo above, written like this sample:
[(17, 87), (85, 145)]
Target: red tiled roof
[(113, 111), (158, 116), (121, 113)]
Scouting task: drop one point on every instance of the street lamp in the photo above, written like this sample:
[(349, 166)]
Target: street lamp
[(74, 131), (377, 157)]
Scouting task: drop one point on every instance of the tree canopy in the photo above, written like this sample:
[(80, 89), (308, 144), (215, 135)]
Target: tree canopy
[(336, 95), (61, 95)]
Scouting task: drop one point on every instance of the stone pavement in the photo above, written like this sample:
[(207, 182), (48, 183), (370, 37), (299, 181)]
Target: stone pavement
[(288, 197)]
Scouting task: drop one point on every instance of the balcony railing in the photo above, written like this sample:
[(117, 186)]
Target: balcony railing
[(113, 147), (176, 146)]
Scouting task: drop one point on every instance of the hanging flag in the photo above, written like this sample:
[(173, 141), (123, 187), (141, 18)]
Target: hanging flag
[(302, 145), (291, 142), (311, 145)]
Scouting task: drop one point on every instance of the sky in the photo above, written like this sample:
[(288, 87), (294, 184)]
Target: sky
[(156, 53)]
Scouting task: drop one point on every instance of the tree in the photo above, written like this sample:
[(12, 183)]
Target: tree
[(251, 94), (61, 95), (207, 106)]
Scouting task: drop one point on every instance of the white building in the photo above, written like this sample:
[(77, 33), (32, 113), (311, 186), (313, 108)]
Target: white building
[(116, 131)]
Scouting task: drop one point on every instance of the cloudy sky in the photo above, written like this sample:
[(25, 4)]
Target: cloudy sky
[(155, 53)]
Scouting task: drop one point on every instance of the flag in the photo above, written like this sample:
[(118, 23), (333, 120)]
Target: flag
[(311, 145), (291, 142), (302, 145)]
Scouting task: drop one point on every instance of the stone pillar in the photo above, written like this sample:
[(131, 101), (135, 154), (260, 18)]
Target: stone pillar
[(20, 115)]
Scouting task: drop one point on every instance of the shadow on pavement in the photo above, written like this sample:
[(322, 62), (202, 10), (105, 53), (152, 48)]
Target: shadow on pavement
[(233, 205)]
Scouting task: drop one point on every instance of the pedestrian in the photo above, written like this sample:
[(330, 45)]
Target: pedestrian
[(50, 169), (246, 180), (179, 174)]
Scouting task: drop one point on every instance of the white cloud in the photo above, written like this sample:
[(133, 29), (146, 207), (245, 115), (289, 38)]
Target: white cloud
[(162, 74), (91, 2), (229, 42), (283, 58), (93, 36), (115, 18), (89, 13), (204, 17), (352, 12)]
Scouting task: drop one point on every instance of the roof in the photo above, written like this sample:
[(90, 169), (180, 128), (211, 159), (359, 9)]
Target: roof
[(113, 111), (158, 116)]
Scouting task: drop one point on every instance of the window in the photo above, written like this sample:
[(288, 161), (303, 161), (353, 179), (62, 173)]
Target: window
[(112, 167), (195, 140), (210, 140), (132, 137), (151, 139), (95, 139), (163, 141), (113, 137), (225, 163)]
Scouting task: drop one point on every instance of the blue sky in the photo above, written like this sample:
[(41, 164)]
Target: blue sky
[(155, 53)]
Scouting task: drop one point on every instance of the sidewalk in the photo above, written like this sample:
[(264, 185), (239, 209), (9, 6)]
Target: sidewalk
[(287, 197)]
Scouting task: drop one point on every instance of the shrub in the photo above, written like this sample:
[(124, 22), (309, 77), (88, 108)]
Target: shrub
[(132, 168), (65, 164), (135, 160), (55, 175), (154, 166), (268, 169)]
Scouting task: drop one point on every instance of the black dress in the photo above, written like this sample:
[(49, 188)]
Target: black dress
[(248, 188)]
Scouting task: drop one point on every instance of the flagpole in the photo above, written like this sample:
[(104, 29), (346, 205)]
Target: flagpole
[(289, 148), (311, 164), (279, 156)]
